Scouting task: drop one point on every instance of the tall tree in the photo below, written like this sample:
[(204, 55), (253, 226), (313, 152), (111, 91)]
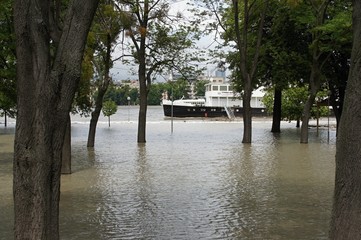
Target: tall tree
[(317, 60), (49, 52), (346, 217), (283, 59), (247, 65), (329, 30), (240, 23), (106, 29), (158, 43)]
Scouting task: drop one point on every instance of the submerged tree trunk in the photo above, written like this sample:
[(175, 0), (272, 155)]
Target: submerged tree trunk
[(101, 92), (142, 118), (247, 113), (346, 217), (45, 89), (315, 75), (277, 111), (143, 89), (5, 119), (247, 68), (337, 102), (315, 85)]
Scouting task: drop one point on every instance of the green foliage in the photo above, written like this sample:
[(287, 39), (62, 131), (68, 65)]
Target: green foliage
[(109, 108), (155, 93), (291, 31), (293, 101), (120, 94), (7, 60), (82, 101), (284, 54), (104, 32), (336, 32), (177, 89), (200, 89)]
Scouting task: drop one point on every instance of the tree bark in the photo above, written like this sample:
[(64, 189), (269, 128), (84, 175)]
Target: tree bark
[(5, 119), (46, 86), (277, 111), (315, 84), (247, 112), (66, 153), (143, 89), (142, 103), (337, 102), (346, 214)]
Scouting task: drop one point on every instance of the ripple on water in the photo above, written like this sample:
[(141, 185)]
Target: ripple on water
[(198, 183)]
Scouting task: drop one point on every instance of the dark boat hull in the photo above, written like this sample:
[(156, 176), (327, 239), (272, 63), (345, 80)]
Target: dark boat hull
[(203, 111)]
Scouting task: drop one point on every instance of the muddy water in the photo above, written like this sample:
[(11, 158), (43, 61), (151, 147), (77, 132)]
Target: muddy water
[(200, 182)]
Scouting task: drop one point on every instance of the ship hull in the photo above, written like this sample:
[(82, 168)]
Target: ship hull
[(206, 111)]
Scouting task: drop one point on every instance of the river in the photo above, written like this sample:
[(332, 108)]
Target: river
[(199, 182)]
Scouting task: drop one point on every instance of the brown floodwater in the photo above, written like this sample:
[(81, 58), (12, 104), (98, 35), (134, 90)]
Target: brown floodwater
[(199, 182)]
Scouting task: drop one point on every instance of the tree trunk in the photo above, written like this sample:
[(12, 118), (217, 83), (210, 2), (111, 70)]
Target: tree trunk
[(6, 119), (247, 112), (142, 118), (247, 68), (346, 217), (306, 117), (143, 91), (45, 89), (277, 111), (101, 92), (66, 153), (314, 88), (337, 105), (93, 123)]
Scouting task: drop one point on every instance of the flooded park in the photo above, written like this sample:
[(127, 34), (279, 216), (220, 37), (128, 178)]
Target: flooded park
[(199, 182)]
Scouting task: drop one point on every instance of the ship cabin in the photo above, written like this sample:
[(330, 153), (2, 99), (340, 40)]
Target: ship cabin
[(220, 93)]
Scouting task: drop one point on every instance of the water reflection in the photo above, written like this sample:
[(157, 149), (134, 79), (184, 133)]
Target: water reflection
[(198, 183)]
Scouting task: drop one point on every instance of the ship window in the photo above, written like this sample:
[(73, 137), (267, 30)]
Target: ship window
[(215, 88), (223, 88), (230, 88)]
